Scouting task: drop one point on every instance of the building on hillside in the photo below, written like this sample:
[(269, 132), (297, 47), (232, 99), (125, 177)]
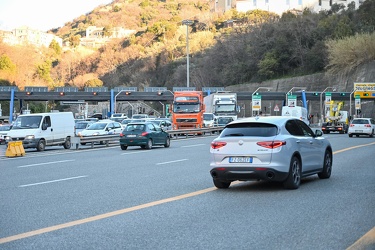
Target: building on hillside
[(25, 35), (281, 6), (96, 37)]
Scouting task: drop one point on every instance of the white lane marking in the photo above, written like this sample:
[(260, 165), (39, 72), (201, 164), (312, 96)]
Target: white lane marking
[(45, 163), (46, 182), (196, 145), (137, 152), (167, 162)]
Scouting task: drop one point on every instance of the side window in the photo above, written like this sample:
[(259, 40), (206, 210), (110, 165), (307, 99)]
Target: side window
[(305, 129), (117, 125), (151, 127), (47, 121), (293, 128)]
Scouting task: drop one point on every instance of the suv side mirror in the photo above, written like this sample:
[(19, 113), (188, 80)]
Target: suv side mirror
[(318, 133)]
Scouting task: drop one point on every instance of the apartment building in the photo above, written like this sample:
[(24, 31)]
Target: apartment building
[(25, 35), (278, 6), (96, 37)]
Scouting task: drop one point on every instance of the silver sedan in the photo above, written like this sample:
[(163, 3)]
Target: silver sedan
[(274, 148)]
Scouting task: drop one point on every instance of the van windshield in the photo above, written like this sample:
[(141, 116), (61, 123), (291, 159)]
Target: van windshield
[(27, 122)]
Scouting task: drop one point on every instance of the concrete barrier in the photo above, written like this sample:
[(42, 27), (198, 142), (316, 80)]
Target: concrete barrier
[(15, 148)]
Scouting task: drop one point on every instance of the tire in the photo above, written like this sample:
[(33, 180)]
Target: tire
[(357, 135), (372, 134), (294, 177), (41, 145), (350, 135), (221, 184), (327, 166), (167, 142), (149, 144), (143, 146), (67, 143), (123, 147)]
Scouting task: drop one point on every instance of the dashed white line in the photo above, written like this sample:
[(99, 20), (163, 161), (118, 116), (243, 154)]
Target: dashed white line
[(46, 182), (196, 145), (167, 162), (44, 163)]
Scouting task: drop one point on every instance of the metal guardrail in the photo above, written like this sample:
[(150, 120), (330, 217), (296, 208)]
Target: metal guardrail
[(77, 141)]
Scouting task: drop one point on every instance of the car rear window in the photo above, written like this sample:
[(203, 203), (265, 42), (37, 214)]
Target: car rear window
[(132, 127), (250, 129), (360, 121)]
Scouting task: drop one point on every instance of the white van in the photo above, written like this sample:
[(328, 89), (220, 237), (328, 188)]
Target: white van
[(297, 112), (43, 129)]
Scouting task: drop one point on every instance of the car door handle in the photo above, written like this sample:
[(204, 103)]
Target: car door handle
[(298, 141)]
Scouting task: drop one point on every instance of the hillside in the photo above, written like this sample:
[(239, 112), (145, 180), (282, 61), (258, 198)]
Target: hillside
[(225, 49)]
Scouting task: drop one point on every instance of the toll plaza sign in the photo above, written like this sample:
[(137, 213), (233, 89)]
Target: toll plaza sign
[(364, 90)]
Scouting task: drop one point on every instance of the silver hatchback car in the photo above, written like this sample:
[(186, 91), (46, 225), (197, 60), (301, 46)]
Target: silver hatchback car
[(273, 148)]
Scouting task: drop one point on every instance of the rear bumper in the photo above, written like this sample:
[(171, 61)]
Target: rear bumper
[(245, 174)]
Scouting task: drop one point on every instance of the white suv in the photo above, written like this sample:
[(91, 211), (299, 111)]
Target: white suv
[(362, 126)]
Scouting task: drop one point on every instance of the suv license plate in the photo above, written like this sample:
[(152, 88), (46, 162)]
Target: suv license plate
[(240, 159)]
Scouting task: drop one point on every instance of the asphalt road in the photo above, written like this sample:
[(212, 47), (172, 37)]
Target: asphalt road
[(164, 198)]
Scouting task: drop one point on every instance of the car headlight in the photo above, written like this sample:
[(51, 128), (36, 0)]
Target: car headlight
[(29, 137), (7, 138)]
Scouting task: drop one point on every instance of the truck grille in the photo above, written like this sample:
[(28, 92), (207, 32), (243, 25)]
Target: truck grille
[(187, 120)]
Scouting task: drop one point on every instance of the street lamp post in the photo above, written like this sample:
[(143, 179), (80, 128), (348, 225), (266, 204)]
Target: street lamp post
[(350, 103), (266, 88), (187, 23), (291, 90), (321, 103), (123, 90)]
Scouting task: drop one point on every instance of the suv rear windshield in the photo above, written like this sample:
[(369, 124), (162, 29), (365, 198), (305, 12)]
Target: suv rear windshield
[(250, 129)]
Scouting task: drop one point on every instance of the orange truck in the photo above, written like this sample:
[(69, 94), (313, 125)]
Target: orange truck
[(187, 109)]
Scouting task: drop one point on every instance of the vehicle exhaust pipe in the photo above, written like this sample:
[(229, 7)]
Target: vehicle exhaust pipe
[(270, 175)]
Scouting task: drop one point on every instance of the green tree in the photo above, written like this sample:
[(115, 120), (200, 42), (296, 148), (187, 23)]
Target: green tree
[(74, 40), (43, 71), (94, 83), (6, 64), (55, 47)]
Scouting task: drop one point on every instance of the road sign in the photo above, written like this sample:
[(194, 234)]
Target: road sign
[(364, 90), (292, 100), (256, 102), (357, 101), (328, 98), (276, 109)]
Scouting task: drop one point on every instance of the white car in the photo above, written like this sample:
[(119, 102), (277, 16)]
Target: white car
[(271, 148), (102, 128), (362, 126)]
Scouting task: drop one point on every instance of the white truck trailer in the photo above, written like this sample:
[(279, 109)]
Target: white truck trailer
[(222, 104)]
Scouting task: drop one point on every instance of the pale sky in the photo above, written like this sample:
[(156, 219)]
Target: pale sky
[(43, 14)]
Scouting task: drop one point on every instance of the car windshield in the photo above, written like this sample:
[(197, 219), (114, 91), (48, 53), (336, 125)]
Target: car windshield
[(133, 127), (81, 125), (25, 122), (250, 129), (208, 117), (97, 126)]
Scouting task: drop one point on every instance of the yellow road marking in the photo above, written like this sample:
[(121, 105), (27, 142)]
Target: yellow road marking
[(368, 238), (350, 148), (102, 216)]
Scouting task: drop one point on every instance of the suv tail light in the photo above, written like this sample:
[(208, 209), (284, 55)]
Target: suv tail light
[(271, 144), (144, 134), (368, 126), (217, 144)]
